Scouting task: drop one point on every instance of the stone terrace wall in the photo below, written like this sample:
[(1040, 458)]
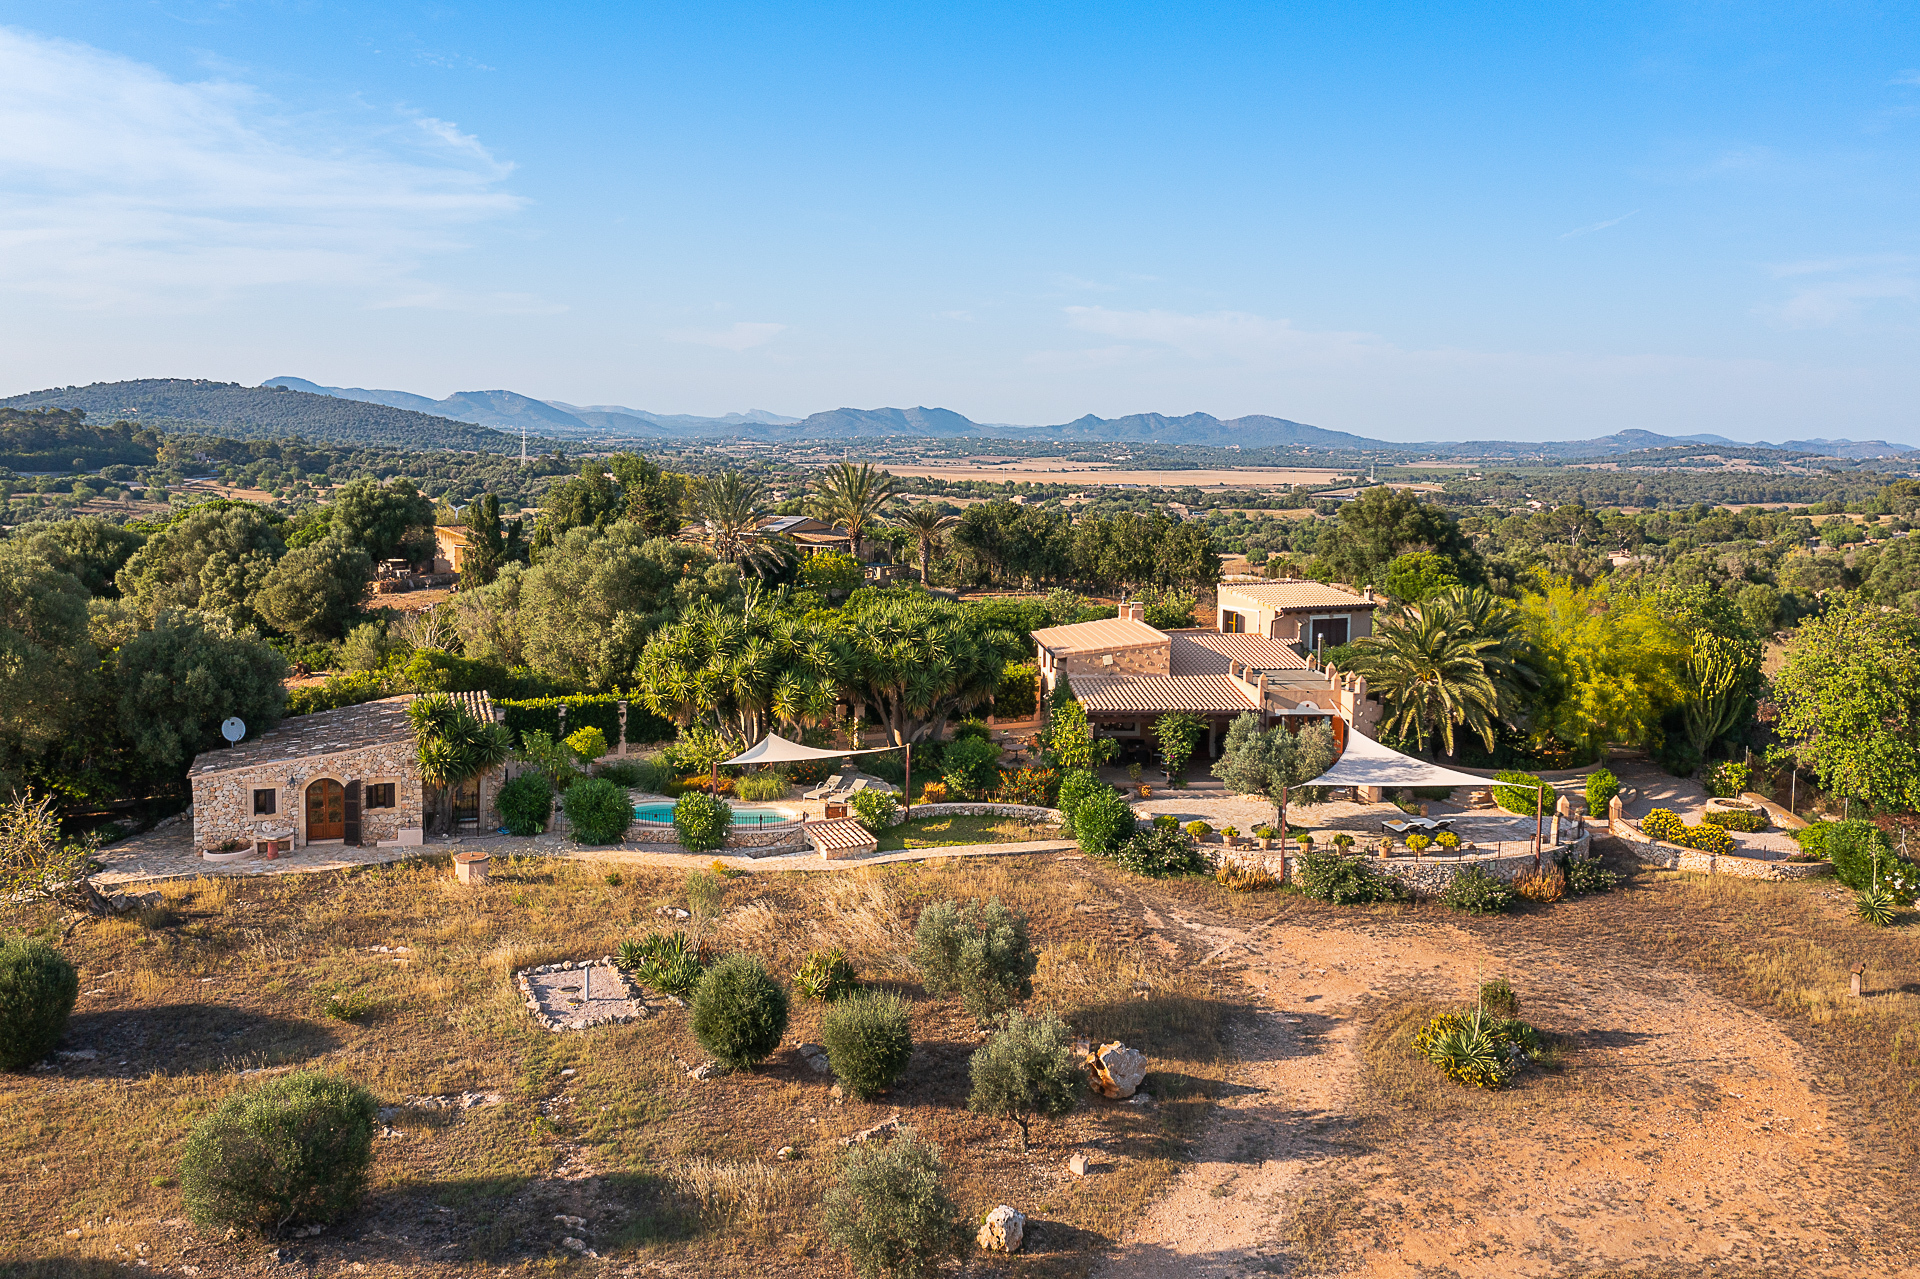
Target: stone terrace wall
[(1425, 875), (1654, 852)]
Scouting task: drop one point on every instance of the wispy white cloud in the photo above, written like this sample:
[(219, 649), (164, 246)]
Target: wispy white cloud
[(123, 188), (1830, 291), (741, 336), (1598, 226), (1910, 76), (1220, 335)]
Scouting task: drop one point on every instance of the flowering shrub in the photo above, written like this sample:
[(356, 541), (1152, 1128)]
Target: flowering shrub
[(1745, 820)]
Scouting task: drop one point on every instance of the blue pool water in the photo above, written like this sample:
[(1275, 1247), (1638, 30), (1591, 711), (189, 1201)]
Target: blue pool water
[(741, 816)]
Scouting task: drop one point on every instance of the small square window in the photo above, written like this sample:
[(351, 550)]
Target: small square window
[(380, 795), (264, 803)]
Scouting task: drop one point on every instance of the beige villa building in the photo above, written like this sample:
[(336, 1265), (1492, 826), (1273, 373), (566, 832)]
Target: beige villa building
[(1127, 674)]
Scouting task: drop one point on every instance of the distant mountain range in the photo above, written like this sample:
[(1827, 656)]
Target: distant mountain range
[(492, 421)]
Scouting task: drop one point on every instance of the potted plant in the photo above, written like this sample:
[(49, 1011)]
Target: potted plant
[(1228, 834), (1199, 831), (1133, 775), (1305, 840), (1447, 840), (1146, 791), (1418, 844), (1265, 835), (1343, 842)]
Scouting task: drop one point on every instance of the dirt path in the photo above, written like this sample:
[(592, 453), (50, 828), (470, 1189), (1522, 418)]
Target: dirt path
[(1678, 1136)]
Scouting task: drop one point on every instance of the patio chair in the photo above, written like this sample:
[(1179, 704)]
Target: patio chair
[(833, 786)]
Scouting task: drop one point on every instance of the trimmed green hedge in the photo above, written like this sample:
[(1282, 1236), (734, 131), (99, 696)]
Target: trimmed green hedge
[(1522, 793)]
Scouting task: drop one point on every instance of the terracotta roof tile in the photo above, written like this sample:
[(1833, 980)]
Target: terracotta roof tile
[(839, 834), (1216, 693), (1207, 653), (1095, 637), (1294, 593)]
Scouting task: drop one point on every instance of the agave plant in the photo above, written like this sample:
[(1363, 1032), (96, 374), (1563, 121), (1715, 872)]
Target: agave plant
[(1875, 905), (668, 962)]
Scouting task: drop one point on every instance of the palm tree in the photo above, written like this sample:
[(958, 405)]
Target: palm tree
[(851, 497), (926, 524), (1508, 657), (452, 745), (729, 508), (1431, 675)]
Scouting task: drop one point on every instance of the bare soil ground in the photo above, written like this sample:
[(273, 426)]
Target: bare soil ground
[(1716, 1103)]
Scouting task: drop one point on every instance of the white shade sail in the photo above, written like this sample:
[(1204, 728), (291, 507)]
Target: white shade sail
[(1366, 762), (775, 749)]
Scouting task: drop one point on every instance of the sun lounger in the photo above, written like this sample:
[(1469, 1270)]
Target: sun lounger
[(837, 785)]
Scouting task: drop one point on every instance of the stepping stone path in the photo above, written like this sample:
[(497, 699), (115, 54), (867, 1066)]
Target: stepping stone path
[(579, 993)]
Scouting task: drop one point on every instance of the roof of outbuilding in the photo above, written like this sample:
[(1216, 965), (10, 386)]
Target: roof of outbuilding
[(1214, 693), (1102, 636), (1296, 593), (1208, 652), (839, 834), (346, 728)]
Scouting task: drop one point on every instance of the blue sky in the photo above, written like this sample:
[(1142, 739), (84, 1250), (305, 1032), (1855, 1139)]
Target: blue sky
[(1405, 221)]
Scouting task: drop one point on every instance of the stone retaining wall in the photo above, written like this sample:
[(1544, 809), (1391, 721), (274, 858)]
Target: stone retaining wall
[(1425, 875), (1025, 812), (1654, 852)]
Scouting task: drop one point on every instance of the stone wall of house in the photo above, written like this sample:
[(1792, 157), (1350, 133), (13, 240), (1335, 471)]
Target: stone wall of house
[(223, 802), (1153, 659)]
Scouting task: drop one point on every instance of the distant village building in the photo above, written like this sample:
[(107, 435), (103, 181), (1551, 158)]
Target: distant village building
[(346, 776), (451, 546), (813, 537)]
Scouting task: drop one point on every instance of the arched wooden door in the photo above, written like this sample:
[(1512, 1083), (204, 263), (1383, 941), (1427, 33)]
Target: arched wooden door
[(326, 810)]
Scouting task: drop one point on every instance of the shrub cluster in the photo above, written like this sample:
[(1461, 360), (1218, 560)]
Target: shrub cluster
[(1476, 892), (1476, 1049), (869, 1040), (1236, 878), (291, 1150), (1102, 821), (598, 811), (874, 810), (667, 962), (1160, 851), (1746, 820), (1521, 792), (525, 804), (760, 787), (1861, 856), (1602, 786), (700, 821), (1344, 881), (1075, 785), (739, 1012), (1727, 779), (1665, 824), (979, 952), (826, 974), (970, 766), (38, 986), (890, 1212), (1587, 875)]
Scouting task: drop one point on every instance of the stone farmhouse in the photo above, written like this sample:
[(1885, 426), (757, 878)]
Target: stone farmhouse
[(1127, 674), (347, 776)]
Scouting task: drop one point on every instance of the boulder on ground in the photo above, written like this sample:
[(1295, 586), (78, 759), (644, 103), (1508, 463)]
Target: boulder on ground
[(1115, 1069), (1004, 1230)]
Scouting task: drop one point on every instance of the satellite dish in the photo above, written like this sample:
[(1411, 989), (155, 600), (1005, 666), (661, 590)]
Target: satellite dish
[(234, 728)]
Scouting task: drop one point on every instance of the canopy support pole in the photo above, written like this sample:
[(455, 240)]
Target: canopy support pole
[(907, 786)]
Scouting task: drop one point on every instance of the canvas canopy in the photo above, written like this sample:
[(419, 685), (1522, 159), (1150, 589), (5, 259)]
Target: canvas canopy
[(775, 749), (1366, 762)]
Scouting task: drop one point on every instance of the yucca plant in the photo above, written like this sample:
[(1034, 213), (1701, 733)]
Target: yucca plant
[(1875, 905), (668, 962), (826, 975)]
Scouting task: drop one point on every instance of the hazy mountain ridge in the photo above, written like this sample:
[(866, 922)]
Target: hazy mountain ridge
[(258, 412), (493, 421)]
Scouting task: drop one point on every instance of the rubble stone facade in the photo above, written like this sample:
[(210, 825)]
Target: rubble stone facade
[(223, 803)]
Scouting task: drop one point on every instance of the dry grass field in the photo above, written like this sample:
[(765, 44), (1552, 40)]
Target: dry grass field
[(1716, 1102)]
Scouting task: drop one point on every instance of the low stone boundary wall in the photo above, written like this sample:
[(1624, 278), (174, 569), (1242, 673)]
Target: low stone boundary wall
[(1425, 875), (1025, 812), (1655, 852)]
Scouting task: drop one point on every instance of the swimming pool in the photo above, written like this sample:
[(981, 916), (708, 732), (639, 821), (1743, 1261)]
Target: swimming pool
[(741, 816)]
